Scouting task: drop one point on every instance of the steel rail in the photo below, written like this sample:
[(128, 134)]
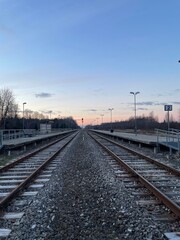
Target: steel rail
[(175, 208), (166, 167), (21, 159), (5, 201)]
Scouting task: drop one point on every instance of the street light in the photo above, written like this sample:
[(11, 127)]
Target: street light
[(110, 109), (135, 123), (102, 117), (23, 113), (50, 112)]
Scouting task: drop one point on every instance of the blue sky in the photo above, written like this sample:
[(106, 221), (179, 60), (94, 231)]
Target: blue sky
[(81, 57)]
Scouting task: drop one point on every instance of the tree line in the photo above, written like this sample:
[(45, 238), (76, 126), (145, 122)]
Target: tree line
[(143, 123), (11, 116)]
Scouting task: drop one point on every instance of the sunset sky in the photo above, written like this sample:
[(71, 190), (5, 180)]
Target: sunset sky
[(81, 57)]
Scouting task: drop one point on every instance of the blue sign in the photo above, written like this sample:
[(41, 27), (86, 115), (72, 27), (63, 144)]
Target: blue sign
[(167, 107)]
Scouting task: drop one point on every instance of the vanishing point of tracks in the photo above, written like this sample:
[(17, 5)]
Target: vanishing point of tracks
[(161, 180), (17, 176)]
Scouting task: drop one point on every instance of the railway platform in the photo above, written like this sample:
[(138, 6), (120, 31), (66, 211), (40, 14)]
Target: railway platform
[(168, 139), (23, 141)]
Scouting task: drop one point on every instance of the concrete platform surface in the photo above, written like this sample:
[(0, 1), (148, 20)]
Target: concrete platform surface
[(11, 143), (149, 139)]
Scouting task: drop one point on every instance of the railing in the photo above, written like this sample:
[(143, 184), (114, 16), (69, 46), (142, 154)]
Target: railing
[(9, 134), (16, 133), (171, 136)]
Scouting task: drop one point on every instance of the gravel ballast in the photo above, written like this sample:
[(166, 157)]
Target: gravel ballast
[(85, 200)]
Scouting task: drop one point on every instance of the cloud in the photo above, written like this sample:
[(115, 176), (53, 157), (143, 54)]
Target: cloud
[(146, 103), (90, 110), (142, 109), (177, 90), (176, 103), (171, 93), (43, 95), (149, 103)]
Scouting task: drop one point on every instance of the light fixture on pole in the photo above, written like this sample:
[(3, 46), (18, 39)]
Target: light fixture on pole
[(135, 122), (50, 112), (102, 117), (23, 113), (110, 109)]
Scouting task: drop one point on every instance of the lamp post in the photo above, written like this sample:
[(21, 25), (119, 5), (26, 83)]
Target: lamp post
[(110, 109), (50, 112), (102, 117), (23, 114), (135, 122)]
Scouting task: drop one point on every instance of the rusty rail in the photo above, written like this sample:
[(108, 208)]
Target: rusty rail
[(175, 208), (168, 168), (5, 201)]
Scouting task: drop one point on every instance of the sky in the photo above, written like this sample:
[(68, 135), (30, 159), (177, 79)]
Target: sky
[(79, 58)]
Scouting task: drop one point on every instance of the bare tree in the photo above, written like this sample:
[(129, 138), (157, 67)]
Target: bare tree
[(34, 115), (8, 107), (28, 113), (38, 115)]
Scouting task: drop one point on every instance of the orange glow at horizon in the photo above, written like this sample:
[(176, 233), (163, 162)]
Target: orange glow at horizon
[(117, 118)]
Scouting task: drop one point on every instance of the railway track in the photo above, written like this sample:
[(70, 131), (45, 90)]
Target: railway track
[(137, 170), (22, 178)]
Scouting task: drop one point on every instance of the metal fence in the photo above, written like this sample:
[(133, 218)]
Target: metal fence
[(170, 138), (16, 133)]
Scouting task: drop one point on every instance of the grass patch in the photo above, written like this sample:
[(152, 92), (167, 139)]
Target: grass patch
[(5, 160)]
